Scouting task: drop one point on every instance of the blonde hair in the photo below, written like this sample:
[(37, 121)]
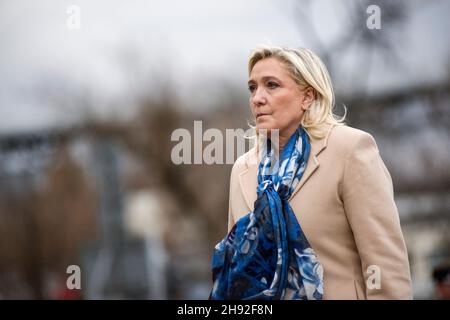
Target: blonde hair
[(308, 70)]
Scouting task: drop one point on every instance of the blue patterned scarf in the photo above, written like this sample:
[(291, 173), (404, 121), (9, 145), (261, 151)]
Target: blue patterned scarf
[(266, 255)]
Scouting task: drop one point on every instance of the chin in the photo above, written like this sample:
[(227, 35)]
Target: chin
[(265, 125)]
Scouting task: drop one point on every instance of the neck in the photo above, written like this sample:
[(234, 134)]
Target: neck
[(284, 137)]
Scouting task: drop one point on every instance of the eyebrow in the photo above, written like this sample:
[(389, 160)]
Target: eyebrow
[(264, 79)]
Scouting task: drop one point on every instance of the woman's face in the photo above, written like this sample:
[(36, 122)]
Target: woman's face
[(276, 100)]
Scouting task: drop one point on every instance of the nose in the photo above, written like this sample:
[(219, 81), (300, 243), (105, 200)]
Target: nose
[(258, 98)]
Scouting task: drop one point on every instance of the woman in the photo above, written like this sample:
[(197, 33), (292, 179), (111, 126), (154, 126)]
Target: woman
[(311, 212)]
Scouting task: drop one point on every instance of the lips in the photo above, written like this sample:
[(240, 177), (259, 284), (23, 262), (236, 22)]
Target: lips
[(261, 114)]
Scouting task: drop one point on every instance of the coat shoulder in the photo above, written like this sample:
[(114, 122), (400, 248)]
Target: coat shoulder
[(346, 138), (346, 133)]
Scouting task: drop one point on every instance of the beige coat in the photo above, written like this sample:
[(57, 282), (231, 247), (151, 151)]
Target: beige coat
[(345, 206)]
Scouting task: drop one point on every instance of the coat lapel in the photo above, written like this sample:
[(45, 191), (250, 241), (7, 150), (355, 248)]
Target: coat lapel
[(248, 178)]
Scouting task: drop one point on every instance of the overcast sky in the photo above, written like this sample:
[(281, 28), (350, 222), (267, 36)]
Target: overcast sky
[(190, 42)]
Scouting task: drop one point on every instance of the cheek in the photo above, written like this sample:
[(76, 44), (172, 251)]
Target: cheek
[(284, 115), (296, 111), (287, 115)]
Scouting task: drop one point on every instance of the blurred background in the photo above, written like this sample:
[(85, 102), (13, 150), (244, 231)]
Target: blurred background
[(90, 92)]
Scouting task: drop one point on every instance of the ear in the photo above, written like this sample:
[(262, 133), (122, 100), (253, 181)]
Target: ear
[(309, 95)]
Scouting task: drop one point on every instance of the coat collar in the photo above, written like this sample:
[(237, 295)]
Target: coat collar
[(248, 177)]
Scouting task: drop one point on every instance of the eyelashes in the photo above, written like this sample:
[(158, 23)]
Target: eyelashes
[(270, 85)]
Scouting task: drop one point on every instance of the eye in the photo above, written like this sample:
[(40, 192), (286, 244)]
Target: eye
[(272, 84), (251, 87)]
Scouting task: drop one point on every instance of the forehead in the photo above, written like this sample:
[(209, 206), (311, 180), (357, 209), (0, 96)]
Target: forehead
[(269, 67)]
